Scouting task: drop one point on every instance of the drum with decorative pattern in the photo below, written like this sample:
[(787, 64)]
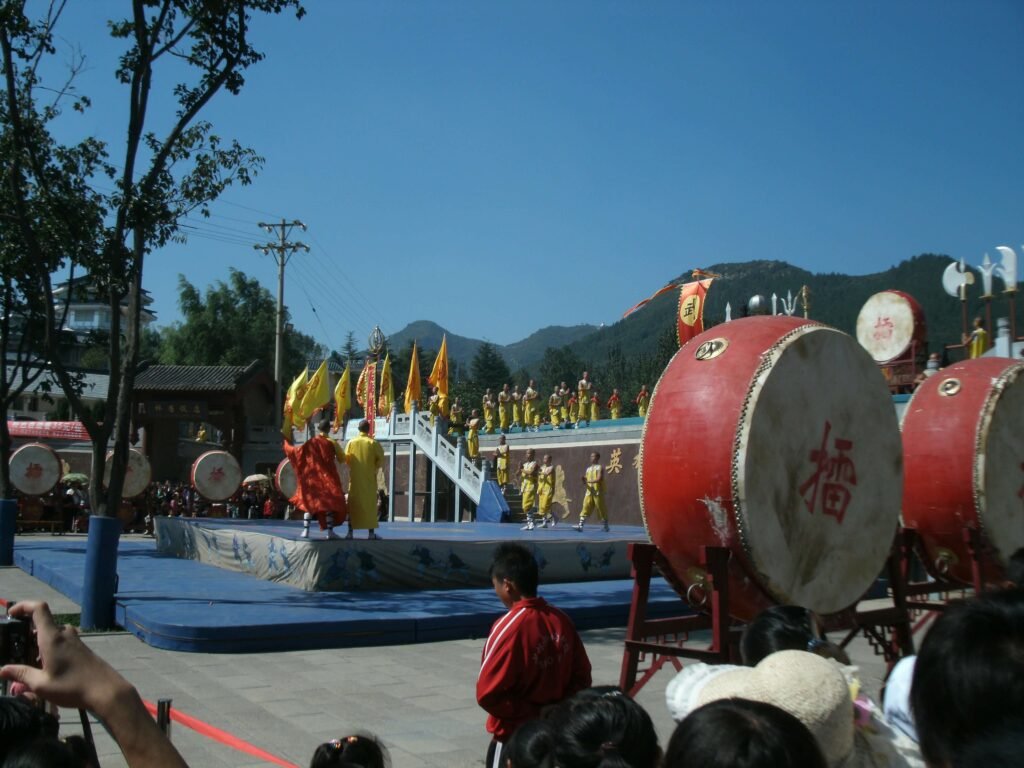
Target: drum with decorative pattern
[(891, 325), (285, 478), (137, 475), (216, 475), (963, 448), (776, 438), (35, 469)]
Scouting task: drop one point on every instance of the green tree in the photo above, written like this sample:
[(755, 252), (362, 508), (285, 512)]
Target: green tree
[(349, 350), (232, 324), (559, 365), (489, 369), (58, 204)]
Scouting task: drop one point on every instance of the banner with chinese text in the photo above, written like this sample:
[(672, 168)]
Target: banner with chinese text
[(690, 317)]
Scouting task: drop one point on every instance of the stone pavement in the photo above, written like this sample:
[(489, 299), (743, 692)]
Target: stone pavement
[(419, 699)]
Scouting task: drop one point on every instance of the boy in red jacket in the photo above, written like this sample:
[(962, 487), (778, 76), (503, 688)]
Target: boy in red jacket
[(533, 657)]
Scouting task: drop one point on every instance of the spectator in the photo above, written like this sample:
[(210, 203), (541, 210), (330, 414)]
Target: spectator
[(604, 727), (969, 676), (786, 628), (21, 723), (738, 733), (531, 746), (533, 657), (70, 675), (357, 751)]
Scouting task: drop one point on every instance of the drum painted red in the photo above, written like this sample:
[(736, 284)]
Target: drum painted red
[(963, 446), (746, 420)]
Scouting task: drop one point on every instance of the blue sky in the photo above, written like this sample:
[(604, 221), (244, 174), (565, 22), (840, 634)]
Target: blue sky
[(501, 167)]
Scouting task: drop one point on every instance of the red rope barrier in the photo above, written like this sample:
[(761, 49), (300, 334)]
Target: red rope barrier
[(223, 737)]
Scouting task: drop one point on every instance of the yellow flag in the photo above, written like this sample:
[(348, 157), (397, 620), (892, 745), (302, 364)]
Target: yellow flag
[(414, 386), (295, 392), (387, 389), (316, 396), (439, 374), (342, 398)]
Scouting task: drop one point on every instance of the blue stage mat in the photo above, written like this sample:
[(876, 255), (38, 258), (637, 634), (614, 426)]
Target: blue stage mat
[(183, 605)]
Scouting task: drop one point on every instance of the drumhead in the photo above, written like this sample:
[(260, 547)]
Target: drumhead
[(35, 469), (817, 470), (216, 475), (886, 325), (287, 484), (137, 475), (999, 464)]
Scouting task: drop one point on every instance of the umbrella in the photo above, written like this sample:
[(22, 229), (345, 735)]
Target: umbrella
[(256, 479), (75, 477)]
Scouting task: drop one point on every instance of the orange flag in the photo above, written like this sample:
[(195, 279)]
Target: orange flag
[(690, 317), (414, 386), (439, 373)]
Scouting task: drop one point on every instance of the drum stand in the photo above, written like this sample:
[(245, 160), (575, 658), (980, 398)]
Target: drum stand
[(909, 541), (661, 641)]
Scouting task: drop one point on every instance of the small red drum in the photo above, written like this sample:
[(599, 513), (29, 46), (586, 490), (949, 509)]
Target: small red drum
[(963, 449), (776, 438), (889, 324), (216, 475), (35, 469), (136, 477), (285, 479)]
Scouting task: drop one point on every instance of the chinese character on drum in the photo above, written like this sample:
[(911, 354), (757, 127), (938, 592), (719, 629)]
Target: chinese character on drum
[(837, 471)]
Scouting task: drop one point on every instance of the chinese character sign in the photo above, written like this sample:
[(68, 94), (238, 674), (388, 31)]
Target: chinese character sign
[(829, 489), (690, 317), (883, 329)]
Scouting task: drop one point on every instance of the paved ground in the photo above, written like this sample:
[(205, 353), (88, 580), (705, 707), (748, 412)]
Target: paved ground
[(418, 698)]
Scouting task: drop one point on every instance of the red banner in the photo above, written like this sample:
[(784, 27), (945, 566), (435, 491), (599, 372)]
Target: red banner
[(371, 397), (56, 430), (690, 317)]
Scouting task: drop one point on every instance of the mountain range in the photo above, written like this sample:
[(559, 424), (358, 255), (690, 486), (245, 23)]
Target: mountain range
[(835, 299)]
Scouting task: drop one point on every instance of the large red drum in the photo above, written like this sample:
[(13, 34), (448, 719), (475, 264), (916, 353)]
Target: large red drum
[(137, 474), (35, 469), (776, 438), (891, 325), (963, 448), (216, 475)]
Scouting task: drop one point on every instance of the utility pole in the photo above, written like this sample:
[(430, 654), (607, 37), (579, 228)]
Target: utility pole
[(282, 251)]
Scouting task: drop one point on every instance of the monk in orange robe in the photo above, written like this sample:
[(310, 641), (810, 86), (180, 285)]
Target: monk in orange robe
[(319, 484)]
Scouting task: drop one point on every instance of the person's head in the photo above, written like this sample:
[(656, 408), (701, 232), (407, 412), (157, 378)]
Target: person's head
[(44, 752), (1015, 569), (585, 375), (595, 457), (504, 388), (530, 454), (615, 391), (364, 427), (475, 413), (324, 426), (555, 390), (977, 322), (532, 382), (358, 750), (969, 675), (531, 746), (501, 440), (602, 727), (514, 573), (739, 733), (547, 459), (785, 628), (21, 723)]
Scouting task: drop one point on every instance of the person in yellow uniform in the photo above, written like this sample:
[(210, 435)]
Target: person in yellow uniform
[(434, 405), (977, 343), (574, 410), (595, 407), (488, 405), (504, 409), (473, 435), (528, 472), (531, 416), (501, 460), (563, 392), (555, 409), (364, 457), (583, 398), (593, 497), (615, 404), (517, 407), (456, 424), (546, 493), (643, 398)]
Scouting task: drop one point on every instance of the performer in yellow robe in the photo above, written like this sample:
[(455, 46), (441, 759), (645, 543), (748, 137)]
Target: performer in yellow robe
[(583, 389), (555, 408), (615, 404), (488, 405), (528, 485), (642, 399), (456, 426), (595, 407), (517, 407), (546, 482), (531, 418), (574, 410), (501, 460), (563, 392), (593, 497), (434, 405), (977, 343), (364, 457), (504, 408), (473, 435)]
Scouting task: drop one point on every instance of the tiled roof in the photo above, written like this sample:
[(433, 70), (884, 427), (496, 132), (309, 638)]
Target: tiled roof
[(191, 378), (94, 384)]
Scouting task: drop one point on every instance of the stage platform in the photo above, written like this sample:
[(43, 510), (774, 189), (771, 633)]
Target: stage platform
[(184, 605), (409, 556)]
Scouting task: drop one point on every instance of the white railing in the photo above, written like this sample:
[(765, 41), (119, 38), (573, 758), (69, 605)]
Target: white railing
[(416, 428)]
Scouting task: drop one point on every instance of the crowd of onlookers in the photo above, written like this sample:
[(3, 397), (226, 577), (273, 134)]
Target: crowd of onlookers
[(794, 701)]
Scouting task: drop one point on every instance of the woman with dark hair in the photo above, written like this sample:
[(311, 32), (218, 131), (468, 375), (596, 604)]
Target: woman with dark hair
[(531, 746), (786, 628), (603, 728), (738, 733), (362, 750)]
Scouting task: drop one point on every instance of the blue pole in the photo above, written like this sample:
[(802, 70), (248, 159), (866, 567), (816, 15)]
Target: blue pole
[(8, 523), (100, 580)]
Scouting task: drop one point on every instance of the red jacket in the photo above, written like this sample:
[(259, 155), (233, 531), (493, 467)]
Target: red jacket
[(532, 658)]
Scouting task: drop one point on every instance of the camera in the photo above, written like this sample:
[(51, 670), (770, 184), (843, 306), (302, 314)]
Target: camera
[(17, 642)]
